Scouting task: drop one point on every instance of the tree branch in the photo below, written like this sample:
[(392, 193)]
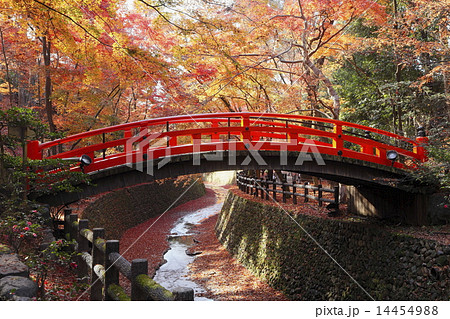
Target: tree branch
[(164, 17), (73, 21)]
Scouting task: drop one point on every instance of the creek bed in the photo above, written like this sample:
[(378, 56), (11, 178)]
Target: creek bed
[(174, 273)]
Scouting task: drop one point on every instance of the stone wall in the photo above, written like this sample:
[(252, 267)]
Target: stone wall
[(14, 281), (285, 252), (125, 208)]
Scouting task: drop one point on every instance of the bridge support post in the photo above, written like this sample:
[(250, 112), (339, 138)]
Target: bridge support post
[(410, 208)]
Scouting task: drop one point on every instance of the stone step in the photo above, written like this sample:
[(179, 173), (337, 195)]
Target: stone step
[(10, 265), (17, 288)]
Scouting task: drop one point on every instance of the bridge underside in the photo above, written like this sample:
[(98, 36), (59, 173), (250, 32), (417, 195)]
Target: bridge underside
[(375, 188)]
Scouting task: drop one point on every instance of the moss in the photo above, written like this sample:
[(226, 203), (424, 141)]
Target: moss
[(442, 260), (101, 244), (4, 249), (117, 293), (153, 289)]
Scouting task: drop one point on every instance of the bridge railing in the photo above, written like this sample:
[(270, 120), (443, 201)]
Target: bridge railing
[(267, 189), (187, 134), (100, 263)]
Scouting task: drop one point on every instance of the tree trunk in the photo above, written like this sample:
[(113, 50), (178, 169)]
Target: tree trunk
[(398, 76), (330, 88), (8, 78), (46, 49)]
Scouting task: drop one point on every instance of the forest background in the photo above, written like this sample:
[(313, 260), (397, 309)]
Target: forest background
[(71, 66), (86, 64)]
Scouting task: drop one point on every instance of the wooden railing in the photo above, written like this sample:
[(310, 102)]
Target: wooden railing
[(264, 188), (100, 263), (131, 143)]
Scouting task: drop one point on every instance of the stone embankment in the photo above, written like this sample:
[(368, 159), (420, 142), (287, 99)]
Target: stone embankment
[(122, 209), (14, 281), (305, 256)]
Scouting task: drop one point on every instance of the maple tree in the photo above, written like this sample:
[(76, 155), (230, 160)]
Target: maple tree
[(94, 67), (87, 64), (101, 62), (273, 57)]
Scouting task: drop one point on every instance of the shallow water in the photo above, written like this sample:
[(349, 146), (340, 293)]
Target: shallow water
[(174, 273)]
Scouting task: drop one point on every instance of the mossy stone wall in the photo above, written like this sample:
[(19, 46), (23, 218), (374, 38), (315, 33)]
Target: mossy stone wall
[(286, 252), (125, 208)]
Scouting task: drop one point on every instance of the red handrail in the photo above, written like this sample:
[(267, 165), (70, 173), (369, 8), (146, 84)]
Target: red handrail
[(210, 132)]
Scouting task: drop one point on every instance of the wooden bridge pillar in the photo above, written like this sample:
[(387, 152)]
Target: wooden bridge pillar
[(411, 208)]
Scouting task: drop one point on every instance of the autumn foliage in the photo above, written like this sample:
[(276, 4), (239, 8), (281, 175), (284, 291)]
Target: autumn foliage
[(92, 63)]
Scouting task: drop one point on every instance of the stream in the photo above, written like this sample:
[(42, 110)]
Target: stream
[(174, 273)]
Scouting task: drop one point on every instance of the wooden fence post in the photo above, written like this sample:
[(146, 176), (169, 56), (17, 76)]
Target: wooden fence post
[(138, 267), (336, 195), (306, 192), (83, 246), (72, 229), (254, 191), (112, 273), (267, 190), (319, 189), (263, 188), (274, 193), (294, 197), (67, 226), (97, 258), (183, 294)]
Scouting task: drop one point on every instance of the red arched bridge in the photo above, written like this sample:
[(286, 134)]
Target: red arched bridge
[(170, 146)]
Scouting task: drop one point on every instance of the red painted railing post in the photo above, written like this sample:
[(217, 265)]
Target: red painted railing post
[(381, 153), (144, 146), (196, 140), (293, 138), (367, 148), (422, 141), (215, 137), (128, 146), (173, 141), (245, 123), (33, 151), (338, 142)]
